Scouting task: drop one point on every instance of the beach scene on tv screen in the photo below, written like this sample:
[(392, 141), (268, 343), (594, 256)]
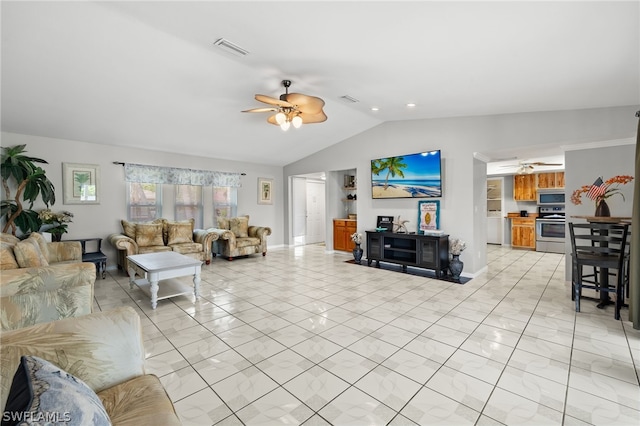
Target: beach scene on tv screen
[(407, 176)]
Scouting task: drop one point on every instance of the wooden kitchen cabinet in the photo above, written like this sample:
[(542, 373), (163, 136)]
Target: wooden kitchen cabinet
[(524, 187), (551, 180), (342, 231), (523, 232)]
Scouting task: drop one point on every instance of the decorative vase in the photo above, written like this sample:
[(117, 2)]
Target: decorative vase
[(455, 266), (602, 209), (357, 253)]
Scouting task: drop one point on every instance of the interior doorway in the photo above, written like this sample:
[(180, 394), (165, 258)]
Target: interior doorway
[(308, 209)]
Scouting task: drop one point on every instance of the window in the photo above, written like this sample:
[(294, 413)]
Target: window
[(225, 202), (144, 201), (188, 203)]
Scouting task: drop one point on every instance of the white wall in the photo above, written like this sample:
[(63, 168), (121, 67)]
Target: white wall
[(459, 138), (104, 219)]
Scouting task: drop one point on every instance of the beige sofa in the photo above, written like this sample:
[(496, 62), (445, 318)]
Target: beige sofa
[(105, 350), (42, 281), (162, 235), (237, 238)]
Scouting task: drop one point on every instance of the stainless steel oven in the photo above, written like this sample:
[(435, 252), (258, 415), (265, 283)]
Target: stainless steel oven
[(550, 229)]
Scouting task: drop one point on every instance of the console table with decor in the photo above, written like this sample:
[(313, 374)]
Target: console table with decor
[(421, 251), (96, 256)]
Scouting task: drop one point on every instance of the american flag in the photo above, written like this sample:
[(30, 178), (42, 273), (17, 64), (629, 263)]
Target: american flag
[(597, 189)]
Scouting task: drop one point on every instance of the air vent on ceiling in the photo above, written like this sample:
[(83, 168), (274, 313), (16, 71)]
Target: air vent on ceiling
[(227, 46), (349, 99)]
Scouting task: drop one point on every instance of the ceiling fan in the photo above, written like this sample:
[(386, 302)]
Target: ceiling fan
[(525, 167), (292, 108)]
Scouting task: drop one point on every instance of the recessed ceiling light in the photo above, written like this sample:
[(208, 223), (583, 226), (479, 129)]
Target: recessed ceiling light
[(411, 105), (375, 109)]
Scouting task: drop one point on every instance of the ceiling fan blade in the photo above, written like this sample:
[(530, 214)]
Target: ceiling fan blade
[(273, 101), (305, 104), (546, 164), (261, 109), (317, 117)]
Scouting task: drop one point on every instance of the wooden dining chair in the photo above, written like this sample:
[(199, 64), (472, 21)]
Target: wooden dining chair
[(603, 246)]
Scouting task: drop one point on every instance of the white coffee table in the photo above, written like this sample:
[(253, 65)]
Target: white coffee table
[(159, 272)]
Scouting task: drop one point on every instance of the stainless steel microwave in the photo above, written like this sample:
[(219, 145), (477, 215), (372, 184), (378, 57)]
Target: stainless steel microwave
[(551, 197)]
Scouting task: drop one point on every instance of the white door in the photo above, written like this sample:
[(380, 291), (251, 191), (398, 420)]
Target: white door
[(299, 209), (315, 212)]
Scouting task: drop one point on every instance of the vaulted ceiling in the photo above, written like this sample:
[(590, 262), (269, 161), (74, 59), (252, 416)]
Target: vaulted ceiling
[(147, 74)]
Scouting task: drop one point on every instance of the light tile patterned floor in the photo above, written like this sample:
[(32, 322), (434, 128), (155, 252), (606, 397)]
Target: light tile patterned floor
[(302, 337)]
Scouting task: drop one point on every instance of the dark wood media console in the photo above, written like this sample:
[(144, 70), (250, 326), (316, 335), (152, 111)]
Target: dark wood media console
[(421, 251)]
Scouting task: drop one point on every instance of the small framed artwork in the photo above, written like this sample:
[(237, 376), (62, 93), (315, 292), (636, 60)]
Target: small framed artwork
[(81, 183), (428, 216), (265, 191)]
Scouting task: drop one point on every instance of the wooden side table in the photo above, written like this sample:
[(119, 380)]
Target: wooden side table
[(96, 257)]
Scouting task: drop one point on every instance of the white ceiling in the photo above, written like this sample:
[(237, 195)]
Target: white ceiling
[(146, 74)]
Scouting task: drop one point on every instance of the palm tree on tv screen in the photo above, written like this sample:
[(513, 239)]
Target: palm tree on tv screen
[(393, 165)]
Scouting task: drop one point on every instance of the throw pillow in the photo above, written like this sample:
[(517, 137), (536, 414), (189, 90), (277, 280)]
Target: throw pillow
[(223, 223), (42, 243), (28, 254), (149, 234), (179, 232), (239, 226), (42, 393), (129, 229), (7, 259)]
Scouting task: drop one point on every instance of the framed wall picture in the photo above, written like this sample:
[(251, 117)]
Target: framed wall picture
[(80, 183), (428, 216), (265, 191)]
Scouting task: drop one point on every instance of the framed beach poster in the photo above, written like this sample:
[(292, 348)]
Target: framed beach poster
[(80, 183), (265, 191), (428, 216)]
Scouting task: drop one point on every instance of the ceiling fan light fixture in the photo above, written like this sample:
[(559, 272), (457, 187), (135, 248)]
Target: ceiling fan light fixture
[(296, 121), (285, 125), (281, 118)]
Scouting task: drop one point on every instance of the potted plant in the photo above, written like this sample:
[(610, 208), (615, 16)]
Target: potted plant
[(357, 250), (30, 182), (57, 222)]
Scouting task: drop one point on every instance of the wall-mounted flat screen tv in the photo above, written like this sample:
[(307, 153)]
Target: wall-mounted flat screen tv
[(407, 176)]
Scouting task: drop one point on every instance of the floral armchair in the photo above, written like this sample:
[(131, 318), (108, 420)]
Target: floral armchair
[(162, 235), (237, 238)]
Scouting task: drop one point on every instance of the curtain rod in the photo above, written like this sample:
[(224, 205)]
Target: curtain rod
[(122, 164)]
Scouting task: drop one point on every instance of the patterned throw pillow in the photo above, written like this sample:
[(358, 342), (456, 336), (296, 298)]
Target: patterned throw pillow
[(42, 393), (149, 234), (129, 229), (7, 259), (28, 254), (223, 223), (42, 243), (179, 233), (239, 226)]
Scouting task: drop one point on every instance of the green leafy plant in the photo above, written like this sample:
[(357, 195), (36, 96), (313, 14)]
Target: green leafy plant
[(30, 182)]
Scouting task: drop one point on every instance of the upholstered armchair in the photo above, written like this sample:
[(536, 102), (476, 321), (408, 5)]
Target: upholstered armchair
[(237, 238), (162, 235)]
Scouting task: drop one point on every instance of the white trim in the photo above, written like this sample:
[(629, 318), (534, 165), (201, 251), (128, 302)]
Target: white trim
[(598, 144)]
